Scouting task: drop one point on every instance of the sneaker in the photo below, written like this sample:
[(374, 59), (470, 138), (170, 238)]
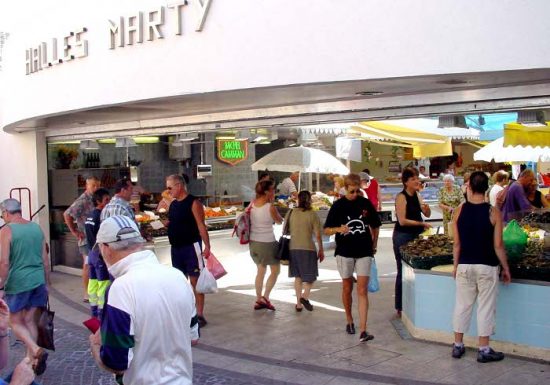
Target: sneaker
[(350, 328), (458, 351), (202, 321), (365, 337), (489, 356)]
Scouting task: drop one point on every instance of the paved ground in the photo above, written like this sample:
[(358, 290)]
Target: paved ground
[(243, 346)]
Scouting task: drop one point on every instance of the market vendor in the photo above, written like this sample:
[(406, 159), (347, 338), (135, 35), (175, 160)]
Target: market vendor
[(288, 185), (409, 208)]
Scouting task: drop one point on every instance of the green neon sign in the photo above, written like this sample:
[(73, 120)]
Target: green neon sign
[(232, 151)]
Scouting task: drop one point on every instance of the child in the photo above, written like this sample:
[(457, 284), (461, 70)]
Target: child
[(98, 273)]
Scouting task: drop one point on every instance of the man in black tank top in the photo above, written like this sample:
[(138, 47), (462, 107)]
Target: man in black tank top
[(478, 249), (187, 233)]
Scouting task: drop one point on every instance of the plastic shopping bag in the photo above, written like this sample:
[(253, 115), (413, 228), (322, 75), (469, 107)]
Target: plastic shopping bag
[(515, 240), (374, 284), (206, 284), (215, 267)]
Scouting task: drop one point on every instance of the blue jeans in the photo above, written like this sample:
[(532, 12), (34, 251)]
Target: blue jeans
[(399, 239)]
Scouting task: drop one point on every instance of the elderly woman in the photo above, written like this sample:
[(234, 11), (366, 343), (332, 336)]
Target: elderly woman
[(450, 197)]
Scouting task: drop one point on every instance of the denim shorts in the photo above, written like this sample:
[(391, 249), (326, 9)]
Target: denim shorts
[(37, 297)]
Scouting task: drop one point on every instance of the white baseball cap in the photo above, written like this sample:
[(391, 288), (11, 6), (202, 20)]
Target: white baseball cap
[(10, 205), (364, 176), (117, 228)]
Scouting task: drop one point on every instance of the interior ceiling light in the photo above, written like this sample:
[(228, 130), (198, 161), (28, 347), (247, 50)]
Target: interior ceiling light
[(89, 144), (259, 138), (187, 137), (369, 93), (125, 142)]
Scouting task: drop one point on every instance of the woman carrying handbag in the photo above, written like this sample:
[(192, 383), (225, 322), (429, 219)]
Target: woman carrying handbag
[(303, 224)]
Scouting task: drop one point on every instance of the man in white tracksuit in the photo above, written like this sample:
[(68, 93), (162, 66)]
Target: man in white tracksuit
[(149, 319)]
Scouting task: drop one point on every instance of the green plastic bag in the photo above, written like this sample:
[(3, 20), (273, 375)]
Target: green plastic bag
[(515, 240)]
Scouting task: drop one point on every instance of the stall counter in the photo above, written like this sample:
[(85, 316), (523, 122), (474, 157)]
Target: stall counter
[(523, 313)]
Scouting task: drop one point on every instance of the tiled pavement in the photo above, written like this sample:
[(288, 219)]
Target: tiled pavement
[(243, 346)]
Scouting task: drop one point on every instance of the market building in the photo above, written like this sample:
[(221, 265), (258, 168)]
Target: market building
[(143, 89)]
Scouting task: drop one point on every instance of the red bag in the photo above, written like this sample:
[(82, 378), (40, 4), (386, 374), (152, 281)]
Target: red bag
[(215, 267)]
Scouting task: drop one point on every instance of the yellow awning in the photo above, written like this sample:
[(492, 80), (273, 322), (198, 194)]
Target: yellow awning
[(517, 134), (424, 144)]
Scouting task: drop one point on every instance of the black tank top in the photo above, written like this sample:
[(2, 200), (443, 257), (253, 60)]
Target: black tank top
[(182, 229), (413, 212), (476, 235)]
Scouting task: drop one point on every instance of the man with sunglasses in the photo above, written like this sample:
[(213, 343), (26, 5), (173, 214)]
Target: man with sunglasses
[(355, 222), (188, 235)]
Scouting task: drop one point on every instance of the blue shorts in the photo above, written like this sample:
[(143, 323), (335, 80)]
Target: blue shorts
[(98, 269), (37, 297), (186, 259)]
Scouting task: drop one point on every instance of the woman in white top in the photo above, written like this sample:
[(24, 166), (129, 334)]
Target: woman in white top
[(263, 245), (501, 180)]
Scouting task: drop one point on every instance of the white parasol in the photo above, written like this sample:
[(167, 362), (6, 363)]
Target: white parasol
[(497, 151), (303, 159)]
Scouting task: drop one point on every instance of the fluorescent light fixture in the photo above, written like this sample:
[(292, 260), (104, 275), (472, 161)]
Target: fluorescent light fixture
[(89, 144), (225, 137), (259, 138), (187, 137), (243, 134), (125, 142)]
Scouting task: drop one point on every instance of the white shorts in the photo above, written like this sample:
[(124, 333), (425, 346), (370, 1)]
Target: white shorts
[(346, 266), (476, 282)]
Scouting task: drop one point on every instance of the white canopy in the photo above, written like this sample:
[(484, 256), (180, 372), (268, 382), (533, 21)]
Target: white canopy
[(496, 150), (303, 159)]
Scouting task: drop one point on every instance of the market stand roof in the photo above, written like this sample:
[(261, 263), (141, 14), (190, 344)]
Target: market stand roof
[(498, 152), (526, 135)]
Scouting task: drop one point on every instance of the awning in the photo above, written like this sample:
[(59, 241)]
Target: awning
[(517, 134), (424, 144), (500, 153)]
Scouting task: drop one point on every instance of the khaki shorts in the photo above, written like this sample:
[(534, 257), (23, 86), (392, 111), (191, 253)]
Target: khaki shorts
[(264, 253), (346, 266)]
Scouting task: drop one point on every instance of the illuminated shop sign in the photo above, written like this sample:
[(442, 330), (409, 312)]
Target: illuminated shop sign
[(127, 30), (232, 151)]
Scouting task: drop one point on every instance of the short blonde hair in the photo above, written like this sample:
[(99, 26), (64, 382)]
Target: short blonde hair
[(339, 180)]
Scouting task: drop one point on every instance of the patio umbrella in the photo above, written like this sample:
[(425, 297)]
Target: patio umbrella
[(303, 159), (500, 153)]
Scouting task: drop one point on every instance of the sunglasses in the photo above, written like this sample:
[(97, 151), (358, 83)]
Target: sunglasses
[(354, 191), (170, 188)]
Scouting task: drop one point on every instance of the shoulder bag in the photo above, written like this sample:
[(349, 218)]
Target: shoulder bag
[(283, 254)]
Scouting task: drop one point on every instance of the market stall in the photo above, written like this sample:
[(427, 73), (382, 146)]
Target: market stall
[(523, 310)]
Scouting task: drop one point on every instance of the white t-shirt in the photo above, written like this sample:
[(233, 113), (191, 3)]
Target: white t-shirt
[(287, 187), (493, 194), (261, 224)]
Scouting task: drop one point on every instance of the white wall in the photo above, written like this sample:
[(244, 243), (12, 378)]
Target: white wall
[(251, 43), (23, 164)]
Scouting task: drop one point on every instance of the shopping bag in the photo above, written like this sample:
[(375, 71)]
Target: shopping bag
[(206, 284), (374, 284), (515, 240), (215, 267), (45, 328)]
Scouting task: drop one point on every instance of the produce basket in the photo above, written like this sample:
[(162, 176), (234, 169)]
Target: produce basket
[(427, 262)]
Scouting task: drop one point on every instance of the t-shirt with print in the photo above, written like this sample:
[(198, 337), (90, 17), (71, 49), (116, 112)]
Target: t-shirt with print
[(359, 215)]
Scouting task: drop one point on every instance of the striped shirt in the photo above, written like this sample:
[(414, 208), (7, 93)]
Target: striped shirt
[(117, 206)]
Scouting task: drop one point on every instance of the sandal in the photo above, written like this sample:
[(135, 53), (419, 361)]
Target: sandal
[(306, 304), (298, 309), (259, 305), (40, 367), (267, 304)]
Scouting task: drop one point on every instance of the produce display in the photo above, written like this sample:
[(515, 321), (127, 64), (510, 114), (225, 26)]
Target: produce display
[(537, 219), (319, 201), (425, 253)]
